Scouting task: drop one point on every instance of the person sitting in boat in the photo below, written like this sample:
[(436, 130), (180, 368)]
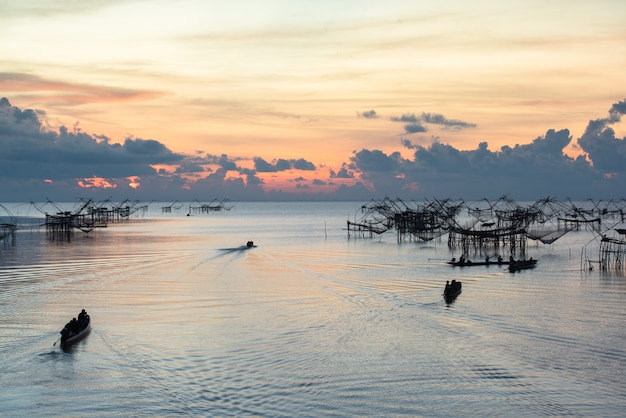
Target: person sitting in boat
[(499, 258), (462, 259), (74, 325), (511, 259), (83, 319), (447, 285), (487, 260)]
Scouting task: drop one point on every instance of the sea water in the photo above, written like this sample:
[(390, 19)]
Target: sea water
[(187, 321)]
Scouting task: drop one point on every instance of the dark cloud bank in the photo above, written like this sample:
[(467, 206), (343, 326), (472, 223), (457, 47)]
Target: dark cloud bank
[(38, 164)]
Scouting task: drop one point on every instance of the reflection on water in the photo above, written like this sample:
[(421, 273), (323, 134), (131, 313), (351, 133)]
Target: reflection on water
[(187, 320)]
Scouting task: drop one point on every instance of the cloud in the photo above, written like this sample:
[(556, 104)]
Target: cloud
[(368, 114), (157, 152), (438, 119), (375, 161), (607, 152), (530, 171), (407, 117), (36, 163), (281, 164), (72, 93), (413, 125), (414, 128), (617, 110), (416, 124), (302, 164), (263, 166), (29, 151), (343, 173)]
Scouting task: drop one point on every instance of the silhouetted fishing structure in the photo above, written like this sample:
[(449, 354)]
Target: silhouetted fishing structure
[(485, 227), (375, 219), (61, 224), (497, 228), (613, 252), (8, 225), (87, 217), (214, 206), (176, 206)]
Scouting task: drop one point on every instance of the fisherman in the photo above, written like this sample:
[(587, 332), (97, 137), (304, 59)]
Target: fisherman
[(83, 319), (82, 315)]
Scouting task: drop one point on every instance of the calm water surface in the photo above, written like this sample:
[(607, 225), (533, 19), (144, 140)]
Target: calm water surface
[(308, 323)]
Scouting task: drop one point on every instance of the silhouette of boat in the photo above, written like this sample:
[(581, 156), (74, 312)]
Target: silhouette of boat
[(76, 330), (451, 291), (469, 263), (522, 265)]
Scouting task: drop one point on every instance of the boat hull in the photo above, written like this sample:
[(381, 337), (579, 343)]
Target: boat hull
[(477, 263), (451, 291), (74, 338), (522, 265)]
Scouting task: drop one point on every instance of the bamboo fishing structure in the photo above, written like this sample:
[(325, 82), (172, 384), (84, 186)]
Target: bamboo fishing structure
[(8, 226), (612, 254), (214, 206), (486, 228), (89, 216), (7, 233)]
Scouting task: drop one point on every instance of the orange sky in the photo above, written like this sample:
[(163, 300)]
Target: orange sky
[(292, 79)]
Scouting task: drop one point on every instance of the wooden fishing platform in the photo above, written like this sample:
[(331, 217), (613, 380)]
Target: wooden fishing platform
[(213, 206), (7, 233), (62, 224), (365, 229), (613, 253)]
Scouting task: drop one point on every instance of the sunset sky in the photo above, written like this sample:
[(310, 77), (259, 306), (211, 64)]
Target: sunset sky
[(293, 99)]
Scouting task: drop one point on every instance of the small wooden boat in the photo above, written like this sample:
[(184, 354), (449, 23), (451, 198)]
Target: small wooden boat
[(469, 263), (522, 265), (76, 329), (451, 291)]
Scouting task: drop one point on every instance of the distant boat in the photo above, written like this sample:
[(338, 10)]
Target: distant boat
[(522, 265), (451, 291), (76, 329), (469, 263)]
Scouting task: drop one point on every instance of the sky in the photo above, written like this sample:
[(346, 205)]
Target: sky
[(312, 100)]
